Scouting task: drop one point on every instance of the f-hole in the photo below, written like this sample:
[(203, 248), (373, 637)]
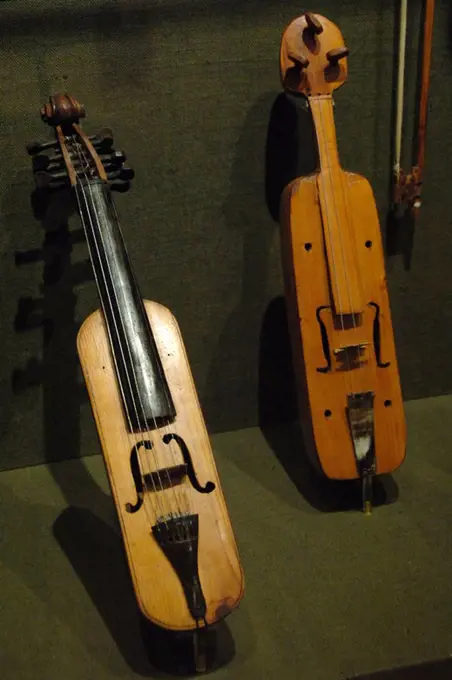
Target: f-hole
[(325, 343), (210, 486), (377, 336), (138, 477), (136, 474)]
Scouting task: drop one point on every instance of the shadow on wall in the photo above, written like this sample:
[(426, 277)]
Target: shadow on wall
[(50, 365), (57, 369), (291, 152), (229, 397), (265, 161)]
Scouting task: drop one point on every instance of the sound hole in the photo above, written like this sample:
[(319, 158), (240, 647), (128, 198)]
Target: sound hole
[(308, 246), (377, 336), (387, 403), (368, 244), (325, 343), (327, 413)]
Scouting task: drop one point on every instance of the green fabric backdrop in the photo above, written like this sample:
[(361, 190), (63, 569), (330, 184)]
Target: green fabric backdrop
[(189, 89)]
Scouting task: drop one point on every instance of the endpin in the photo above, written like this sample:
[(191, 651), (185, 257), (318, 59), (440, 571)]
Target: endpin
[(367, 494)]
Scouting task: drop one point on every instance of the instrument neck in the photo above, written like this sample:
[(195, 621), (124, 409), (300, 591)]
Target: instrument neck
[(337, 217), (323, 117), (145, 393), (106, 245)]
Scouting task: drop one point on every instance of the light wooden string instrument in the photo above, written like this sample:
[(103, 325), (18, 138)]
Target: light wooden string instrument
[(345, 361), (177, 533)]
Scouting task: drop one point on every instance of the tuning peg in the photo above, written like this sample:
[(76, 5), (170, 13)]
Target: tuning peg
[(337, 53), (102, 135), (117, 157), (56, 175), (42, 161), (45, 163), (37, 147), (125, 173), (300, 61), (55, 162), (104, 145), (50, 163), (112, 175), (313, 24), (47, 180), (112, 160), (103, 139), (119, 185)]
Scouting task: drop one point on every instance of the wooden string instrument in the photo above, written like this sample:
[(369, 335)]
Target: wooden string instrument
[(175, 525), (350, 398), (407, 186)]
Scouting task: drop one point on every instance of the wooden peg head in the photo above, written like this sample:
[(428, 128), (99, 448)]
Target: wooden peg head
[(316, 44), (62, 109)]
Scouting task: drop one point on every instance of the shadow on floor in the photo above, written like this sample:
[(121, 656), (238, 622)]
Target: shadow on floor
[(278, 423), (96, 553)]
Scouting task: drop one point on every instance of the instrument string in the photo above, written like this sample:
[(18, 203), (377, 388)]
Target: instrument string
[(160, 504), (322, 133), (169, 446), (341, 242), (80, 193), (355, 317), (167, 423)]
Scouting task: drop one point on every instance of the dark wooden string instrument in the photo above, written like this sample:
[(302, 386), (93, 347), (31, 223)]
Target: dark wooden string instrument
[(177, 533), (407, 186), (350, 397)]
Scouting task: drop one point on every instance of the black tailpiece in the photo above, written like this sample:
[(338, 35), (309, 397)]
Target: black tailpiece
[(178, 538), (360, 410)]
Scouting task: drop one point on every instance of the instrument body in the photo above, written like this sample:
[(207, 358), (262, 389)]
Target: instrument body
[(157, 587), (350, 398), (177, 534)]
